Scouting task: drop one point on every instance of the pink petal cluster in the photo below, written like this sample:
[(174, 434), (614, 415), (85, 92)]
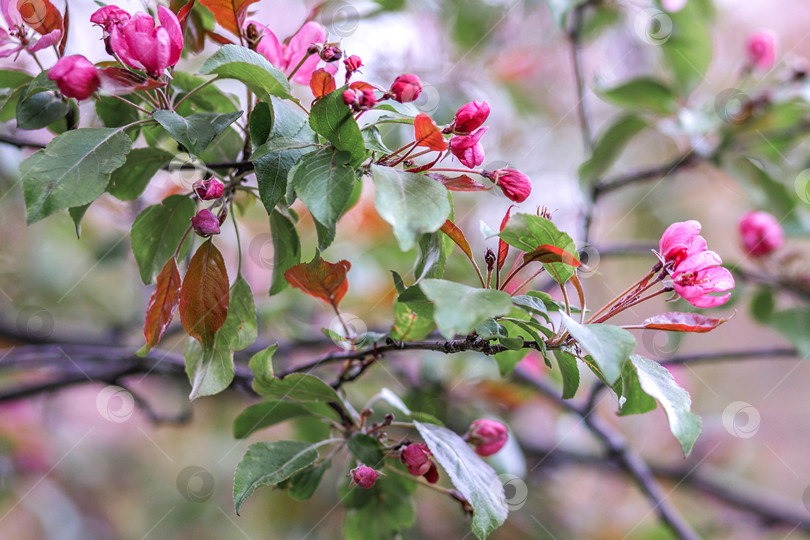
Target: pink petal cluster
[(470, 117), (468, 148), (364, 476), (352, 63), (16, 38), (696, 271), (761, 50), (137, 42), (406, 87), (760, 233), (416, 458), (514, 184), (287, 55), (209, 189), (75, 76), (487, 436), (205, 223)]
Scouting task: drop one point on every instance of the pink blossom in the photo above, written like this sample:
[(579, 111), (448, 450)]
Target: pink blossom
[(416, 458), (470, 117), (364, 476), (17, 37), (205, 223), (208, 190), (109, 17), (487, 436), (366, 99), (75, 76), (352, 63), (287, 56), (761, 50), (349, 97), (681, 240), (468, 149), (406, 88), (699, 275), (514, 184), (761, 234), (141, 45)]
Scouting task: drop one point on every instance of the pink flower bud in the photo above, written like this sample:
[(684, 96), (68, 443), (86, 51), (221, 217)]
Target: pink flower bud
[(406, 88), (364, 476), (432, 475), (470, 117), (205, 223), (331, 53), (109, 17), (352, 63), (416, 458), (349, 97), (75, 76), (761, 50), (468, 149), (142, 45), (366, 99), (208, 190), (513, 183), (487, 436), (761, 234)]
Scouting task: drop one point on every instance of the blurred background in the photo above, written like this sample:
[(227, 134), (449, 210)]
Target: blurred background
[(86, 463)]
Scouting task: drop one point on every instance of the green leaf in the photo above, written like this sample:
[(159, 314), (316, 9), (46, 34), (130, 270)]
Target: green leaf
[(73, 170), (113, 113), (658, 383), (266, 414), (434, 248), (261, 365), (261, 123), (13, 78), (157, 232), (471, 476), (286, 250), (300, 387), (413, 316), (249, 67), (610, 346), (793, 324), (206, 99), (632, 398), (240, 328), (334, 120), (569, 371), (39, 110), (460, 309), (762, 306), (763, 188), (609, 146), (688, 50), (324, 181), (413, 204), (197, 131), (303, 484), (366, 449), (642, 94), (128, 182), (374, 142), (379, 513), (267, 464), (77, 214), (527, 232), (209, 369)]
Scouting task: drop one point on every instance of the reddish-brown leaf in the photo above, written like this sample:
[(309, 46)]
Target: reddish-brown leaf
[(360, 85), (40, 15), (321, 83), (230, 14), (65, 29), (449, 228), (205, 295), (321, 279), (219, 38), (116, 80), (682, 322), (164, 301), (551, 254), (427, 134), (459, 183), (503, 247), (182, 15)]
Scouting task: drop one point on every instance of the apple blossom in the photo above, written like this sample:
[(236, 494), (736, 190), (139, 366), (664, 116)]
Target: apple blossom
[(364, 476), (406, 88), (205, 223), (75, 76), (139, 44), (468, 149), (470, 117), (761, 234)]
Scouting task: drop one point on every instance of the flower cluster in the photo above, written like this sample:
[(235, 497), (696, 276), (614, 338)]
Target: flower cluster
[(465, 144), (695, 270), (17, 37)]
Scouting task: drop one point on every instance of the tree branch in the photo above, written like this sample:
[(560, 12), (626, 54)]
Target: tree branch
[(684, 160), (744, 354)]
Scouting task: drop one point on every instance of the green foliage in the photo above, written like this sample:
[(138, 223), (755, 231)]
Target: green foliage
[(460, 309), (688, 50), (333, 119), (380, 512), (609, 146), (157, 232), (324, 181), (299, 387), (286, 250), (527, 232), (128, 182), (250, 68), (610, 346), (270, 413), (644, 94), (569, 370), (197, 131)]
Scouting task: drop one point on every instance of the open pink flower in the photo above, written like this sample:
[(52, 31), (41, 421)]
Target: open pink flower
[(699, 275), (468, 149), (287, 56), (760, 233), (75, 76), (681, 240), (142, 45), (17, 37)]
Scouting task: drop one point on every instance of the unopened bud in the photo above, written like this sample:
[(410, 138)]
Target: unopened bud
[(331, 53)]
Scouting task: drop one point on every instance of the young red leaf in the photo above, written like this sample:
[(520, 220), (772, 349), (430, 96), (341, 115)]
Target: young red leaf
[(321, 83), (182, 15), (360, 85), (428, 134), (321, 279), (503, 247), (219, 38), (551, 254), (41, 15), (65, 30), (230, 14), (205, 294), (449, 228), (164, 301), (682, 322), (459, 183), (116, 80)]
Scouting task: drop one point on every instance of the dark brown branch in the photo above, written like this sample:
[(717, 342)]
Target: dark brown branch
[(574, 36), (744, 354), (611, 184)]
